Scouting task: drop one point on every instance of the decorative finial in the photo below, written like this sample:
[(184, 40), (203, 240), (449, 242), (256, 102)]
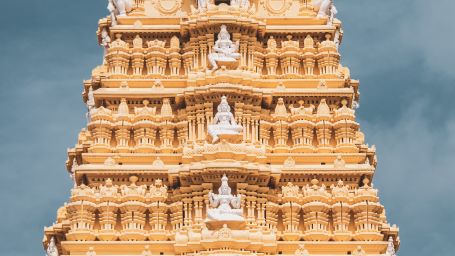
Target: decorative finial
[(133, 179)]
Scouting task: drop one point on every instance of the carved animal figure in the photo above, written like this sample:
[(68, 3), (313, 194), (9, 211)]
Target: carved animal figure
[(324, 7), (119, 8)]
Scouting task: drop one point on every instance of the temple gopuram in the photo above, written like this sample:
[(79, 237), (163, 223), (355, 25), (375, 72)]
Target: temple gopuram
[(221, 128)]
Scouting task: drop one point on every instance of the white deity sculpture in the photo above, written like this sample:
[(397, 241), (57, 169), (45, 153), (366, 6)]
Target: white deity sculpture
[(224, 122), (119, 8), (105, 40), (52, 248), (326, 9), (224, 50), (224, 206)]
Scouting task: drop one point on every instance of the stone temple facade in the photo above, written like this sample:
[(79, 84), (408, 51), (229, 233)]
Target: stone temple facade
[(221, 127)]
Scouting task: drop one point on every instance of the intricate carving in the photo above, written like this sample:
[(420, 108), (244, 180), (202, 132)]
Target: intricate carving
[(168, 7), (158, 189), (280, 109), (138, 42), (271, 44), (289, 162), (224, 233), (340, 190)]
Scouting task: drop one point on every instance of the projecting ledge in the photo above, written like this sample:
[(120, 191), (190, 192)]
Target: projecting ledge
[(332, 247), (118, 247)]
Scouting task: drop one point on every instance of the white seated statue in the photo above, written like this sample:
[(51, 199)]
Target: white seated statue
[(224, 122), (225, 52), (224, 207)]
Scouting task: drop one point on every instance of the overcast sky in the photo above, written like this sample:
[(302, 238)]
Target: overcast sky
[(402, 51)]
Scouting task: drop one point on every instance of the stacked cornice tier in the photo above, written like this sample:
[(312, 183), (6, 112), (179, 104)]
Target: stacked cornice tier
[(221, 127)]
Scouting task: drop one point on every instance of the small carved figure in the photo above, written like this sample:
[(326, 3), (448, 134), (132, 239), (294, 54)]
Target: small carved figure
[(271, 44), (108, 189), (280, 109), (301, 110), (290, 190), (340, 190), (223, 122), (52, 248), (308, 42), (201, 4), (175, 43), (133, 189), (137, 42), (224, 50), (158, 189)]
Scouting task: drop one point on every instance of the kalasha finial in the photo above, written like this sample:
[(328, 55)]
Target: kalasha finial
[(133, 179)]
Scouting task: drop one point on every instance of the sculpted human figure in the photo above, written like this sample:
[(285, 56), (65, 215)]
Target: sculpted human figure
[(224, 49), (271, 44), (52, 248), (105, 40), (108, 189), (223, 122), (225, 206)]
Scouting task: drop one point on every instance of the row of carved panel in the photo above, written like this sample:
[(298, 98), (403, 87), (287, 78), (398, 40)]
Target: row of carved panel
[(159, 61), (301, 130), (313, 212)]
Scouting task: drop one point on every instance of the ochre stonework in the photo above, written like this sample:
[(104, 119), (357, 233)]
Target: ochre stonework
[(221, 128)]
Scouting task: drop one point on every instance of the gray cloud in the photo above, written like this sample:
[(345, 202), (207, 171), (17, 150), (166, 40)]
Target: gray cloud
[(401, 51), (415, 179)]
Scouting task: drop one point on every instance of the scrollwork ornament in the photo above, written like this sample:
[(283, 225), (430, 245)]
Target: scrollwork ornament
[(277, 7), (168, 7)]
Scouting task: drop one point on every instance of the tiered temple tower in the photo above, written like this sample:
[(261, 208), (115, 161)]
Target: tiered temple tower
[(221, 128)]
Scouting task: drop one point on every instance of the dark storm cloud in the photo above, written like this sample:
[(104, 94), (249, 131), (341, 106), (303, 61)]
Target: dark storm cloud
[(402, 52)]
